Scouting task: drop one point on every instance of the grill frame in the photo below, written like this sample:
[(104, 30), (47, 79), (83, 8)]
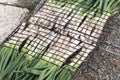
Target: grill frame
[(98, 46)]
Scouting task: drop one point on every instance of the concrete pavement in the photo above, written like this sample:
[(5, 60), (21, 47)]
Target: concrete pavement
[(12, 12)]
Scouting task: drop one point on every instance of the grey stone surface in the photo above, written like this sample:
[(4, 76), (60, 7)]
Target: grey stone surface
[(28, 3), (22, 3), (10, 18), (8, 1)]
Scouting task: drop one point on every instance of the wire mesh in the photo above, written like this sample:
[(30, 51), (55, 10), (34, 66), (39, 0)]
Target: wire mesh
[(60, 35)]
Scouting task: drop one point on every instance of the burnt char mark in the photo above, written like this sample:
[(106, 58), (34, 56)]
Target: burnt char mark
[(32, 40), (70, 13), (23, 44), (68, 60), (79, 43), (83, 20), (63, 5), (68, 35), (93, 29), (53, 27), (66, 24), (45, 50), (95, 13), (26, 25), (36, 35)]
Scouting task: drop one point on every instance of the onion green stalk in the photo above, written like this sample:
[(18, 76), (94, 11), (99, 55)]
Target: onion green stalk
[(17, 66), (110, 6)]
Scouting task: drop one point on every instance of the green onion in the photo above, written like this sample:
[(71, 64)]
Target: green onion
[(20, 67)]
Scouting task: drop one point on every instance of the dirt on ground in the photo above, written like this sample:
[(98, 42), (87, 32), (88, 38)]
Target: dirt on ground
[(103, 65), (30, 4)]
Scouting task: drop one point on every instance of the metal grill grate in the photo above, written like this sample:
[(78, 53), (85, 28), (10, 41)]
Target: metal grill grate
[(61, 35)]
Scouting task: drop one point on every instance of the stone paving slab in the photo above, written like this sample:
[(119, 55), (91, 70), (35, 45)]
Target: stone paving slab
[(10, 18), (22, 3), (8, 1)]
